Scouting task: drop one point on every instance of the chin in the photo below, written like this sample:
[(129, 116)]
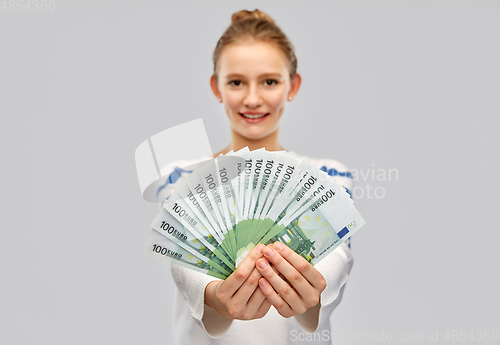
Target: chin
[(255, 135)]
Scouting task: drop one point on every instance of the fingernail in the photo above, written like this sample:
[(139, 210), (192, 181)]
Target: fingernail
[(259, 248), (268, 251), (278, 245), (262, 264), (263, 282)]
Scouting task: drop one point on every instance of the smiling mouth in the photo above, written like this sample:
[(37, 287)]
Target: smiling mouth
[(248, 116)]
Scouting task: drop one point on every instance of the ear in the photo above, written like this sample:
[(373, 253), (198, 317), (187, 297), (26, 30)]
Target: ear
[(295, 85), (214, 87)]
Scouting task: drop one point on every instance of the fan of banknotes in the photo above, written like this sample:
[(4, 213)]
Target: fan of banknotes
[(229, 204)]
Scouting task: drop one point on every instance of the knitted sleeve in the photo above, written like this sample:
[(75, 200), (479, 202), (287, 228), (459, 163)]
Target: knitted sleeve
[(335, 268), (192, 286)]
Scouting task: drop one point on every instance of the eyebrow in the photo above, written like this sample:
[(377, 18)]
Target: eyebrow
[(232, 75)]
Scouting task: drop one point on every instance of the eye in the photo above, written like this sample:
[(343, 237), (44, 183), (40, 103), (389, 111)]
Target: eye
[(271, 80), (235, 81)]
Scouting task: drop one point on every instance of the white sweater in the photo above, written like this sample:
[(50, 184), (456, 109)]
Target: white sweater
[(197, 323)]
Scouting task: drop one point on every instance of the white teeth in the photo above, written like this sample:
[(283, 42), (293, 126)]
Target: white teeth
[(248, 116)]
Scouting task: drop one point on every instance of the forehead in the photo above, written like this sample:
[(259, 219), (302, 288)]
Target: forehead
[(252, 59)]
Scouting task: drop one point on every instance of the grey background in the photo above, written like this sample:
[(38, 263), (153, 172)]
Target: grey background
[(406, 85)]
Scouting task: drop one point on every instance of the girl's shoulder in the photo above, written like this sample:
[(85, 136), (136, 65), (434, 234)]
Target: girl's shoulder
[(173, 172), (332, 167)]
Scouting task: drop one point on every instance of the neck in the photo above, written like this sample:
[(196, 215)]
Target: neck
[(270, 143)]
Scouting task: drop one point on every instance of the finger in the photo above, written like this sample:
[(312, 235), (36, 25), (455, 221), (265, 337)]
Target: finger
[(279, 303), (301, 265), (282, 288), (263, 309), (255, 301), (240, 275), (294, 277), (248, 288), (277, 272)]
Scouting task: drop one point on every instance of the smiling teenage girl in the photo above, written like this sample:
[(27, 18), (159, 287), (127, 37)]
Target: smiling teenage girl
[(254, 76)]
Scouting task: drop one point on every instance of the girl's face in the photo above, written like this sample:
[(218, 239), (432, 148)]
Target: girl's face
[(254, 84)]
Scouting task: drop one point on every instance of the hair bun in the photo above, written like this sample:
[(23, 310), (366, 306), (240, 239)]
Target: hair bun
[(244, 15)]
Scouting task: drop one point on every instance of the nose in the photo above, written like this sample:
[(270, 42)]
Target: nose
[(252, 98)]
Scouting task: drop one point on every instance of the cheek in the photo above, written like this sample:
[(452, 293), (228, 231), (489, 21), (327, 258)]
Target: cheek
[(231, 109), (277, 99), (232, 104), (278, 109)]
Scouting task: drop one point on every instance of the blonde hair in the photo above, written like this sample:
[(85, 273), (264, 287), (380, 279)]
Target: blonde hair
[(255, 25)]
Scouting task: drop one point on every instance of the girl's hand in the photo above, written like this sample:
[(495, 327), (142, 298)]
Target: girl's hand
[(239, 296), (306, 283)]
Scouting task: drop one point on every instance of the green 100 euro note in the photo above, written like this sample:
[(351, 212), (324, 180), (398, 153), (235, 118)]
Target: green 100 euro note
[(229, 204)]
